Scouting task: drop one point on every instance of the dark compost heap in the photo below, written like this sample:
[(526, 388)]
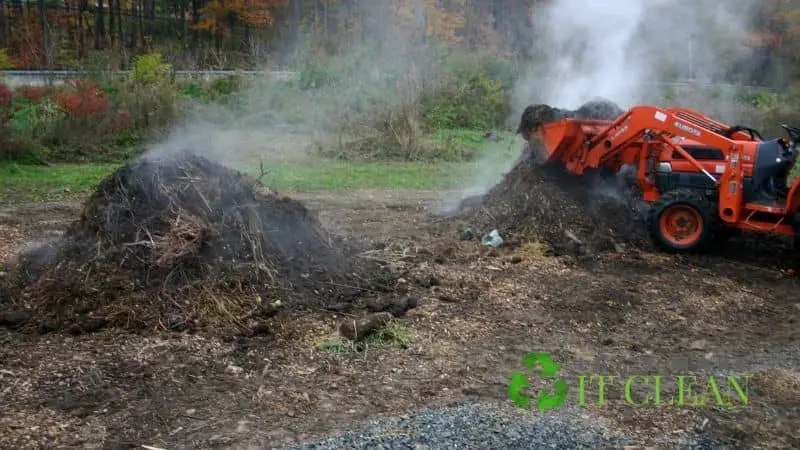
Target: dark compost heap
[(183, 241), (572, 214)]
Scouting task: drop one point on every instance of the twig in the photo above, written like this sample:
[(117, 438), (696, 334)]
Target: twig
[(200, 194), (261, 172), (483, 208), (142, 243), (331, 283)]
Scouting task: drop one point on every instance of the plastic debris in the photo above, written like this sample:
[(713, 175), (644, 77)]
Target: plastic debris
[(492, 239)]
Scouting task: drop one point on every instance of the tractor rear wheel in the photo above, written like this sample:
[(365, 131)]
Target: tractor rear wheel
[(682, 221)]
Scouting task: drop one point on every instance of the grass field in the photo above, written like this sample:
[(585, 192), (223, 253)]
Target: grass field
[(23, 183)]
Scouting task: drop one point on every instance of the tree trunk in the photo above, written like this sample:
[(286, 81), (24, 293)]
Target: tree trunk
[(140, 21), (298, 9), (112, 21), (362, 36), (325, 15), (3, 26), (421, 19), (45, 33), (100, 27), (84, 4), (195, 42)]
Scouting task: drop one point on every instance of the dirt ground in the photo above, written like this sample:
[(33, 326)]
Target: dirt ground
[(479, 312)]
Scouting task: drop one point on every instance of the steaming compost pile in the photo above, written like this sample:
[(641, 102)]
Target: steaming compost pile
[(184, 241), (595, 212)]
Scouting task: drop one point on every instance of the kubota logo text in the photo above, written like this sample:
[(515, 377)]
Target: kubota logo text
[(687, 129)]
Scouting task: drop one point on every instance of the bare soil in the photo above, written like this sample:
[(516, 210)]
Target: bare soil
[(479, 311)]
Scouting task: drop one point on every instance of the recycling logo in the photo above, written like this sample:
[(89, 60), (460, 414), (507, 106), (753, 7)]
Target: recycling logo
[(540, 364)]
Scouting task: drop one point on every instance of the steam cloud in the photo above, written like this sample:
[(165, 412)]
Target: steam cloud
[(622, 50), (588, 49)]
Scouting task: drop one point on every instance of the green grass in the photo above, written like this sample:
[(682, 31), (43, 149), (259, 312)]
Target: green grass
[(343, 176), (27, 183), (32, 183), (393, 334)]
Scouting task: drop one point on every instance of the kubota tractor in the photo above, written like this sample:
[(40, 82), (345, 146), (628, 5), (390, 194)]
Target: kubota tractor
[(702, 179)]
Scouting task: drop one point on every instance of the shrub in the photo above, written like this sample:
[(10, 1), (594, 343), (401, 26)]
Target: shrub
[(227, 85), (6, 96), (37, 124), (84, 100), (150, 68), (194, 91), (34, 94), (757, 98), (316, 73), (150, 107), (5, 60), (470, 100)]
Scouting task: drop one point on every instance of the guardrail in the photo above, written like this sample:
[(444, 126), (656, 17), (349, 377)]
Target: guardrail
[(44, 77)]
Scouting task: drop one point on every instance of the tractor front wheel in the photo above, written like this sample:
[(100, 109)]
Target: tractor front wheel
[(682, 221)]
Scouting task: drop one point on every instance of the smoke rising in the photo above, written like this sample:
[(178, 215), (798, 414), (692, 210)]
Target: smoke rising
[(625, 51), (328, 101), (588, 47)]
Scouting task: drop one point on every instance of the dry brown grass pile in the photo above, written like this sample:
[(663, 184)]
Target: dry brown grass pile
[(183, 241)]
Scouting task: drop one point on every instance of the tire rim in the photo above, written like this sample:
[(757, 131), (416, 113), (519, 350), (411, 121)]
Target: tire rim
[(681, 225)]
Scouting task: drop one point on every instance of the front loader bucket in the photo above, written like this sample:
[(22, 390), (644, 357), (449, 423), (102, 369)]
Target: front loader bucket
[(558, 139)]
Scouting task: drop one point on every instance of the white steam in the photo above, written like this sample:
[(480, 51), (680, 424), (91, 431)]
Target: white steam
[(622, 50), (588, 47)]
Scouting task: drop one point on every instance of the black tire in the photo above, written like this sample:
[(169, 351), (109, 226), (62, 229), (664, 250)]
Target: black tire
[(690, 202), (724, 234), (797, 236)]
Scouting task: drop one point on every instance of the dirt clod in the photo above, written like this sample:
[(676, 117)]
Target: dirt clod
[(185, 237), (355, 329), (397, 306), (15, 319)]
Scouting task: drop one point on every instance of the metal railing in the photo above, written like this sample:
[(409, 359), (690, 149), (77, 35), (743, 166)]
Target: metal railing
[(41, 77), (45, 77)]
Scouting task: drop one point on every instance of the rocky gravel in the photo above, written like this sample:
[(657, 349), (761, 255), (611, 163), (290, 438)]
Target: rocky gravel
[(480, 426)]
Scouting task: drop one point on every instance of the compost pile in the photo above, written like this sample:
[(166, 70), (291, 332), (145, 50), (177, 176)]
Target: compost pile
[(183, 240), (596, 212)]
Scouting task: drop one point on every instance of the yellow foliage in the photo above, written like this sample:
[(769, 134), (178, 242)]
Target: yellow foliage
[(150, 68), (440, 23), (5, 60)]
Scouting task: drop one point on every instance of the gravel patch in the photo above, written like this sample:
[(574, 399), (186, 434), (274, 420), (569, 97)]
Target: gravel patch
[(474, 426), (483, 426)]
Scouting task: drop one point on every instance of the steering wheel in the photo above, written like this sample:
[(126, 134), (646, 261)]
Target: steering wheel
[(793, 132), (794, 138), (753, 133)]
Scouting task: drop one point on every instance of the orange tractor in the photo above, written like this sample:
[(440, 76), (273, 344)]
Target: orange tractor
[(702, 179)]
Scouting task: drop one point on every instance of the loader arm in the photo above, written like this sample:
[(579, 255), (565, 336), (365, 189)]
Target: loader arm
[(650, 123), (641, 134)]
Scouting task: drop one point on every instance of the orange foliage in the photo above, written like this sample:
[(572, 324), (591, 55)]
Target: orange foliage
[(214, 16), (34, 94), (446, 24), (84, 99), (5, 95)]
